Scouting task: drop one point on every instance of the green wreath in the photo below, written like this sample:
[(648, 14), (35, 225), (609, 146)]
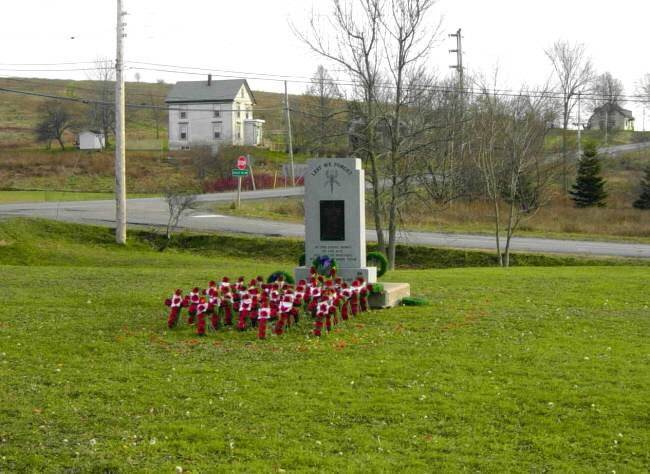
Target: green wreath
[(414, 301), (379, 260), (324, 265), (274, 276)]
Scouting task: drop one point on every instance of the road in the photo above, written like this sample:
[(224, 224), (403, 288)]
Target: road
[(153, 212)]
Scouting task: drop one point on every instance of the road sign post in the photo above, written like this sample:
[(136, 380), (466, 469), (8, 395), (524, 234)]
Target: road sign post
[(250, 167), (242, 170), (238, 191)]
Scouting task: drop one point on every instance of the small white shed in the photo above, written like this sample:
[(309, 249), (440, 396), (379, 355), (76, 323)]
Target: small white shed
[(91, 140), (253, 132)]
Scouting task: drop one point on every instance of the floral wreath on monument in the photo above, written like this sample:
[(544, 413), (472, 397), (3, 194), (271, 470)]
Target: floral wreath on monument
[(324, 265)]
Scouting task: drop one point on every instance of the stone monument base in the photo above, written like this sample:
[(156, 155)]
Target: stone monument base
[(369, 274), (391, 296)]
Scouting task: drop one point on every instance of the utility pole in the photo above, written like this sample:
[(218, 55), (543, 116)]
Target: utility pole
[(459, 58), (579, 129), (120, 142), (286, 105), (461, 102)]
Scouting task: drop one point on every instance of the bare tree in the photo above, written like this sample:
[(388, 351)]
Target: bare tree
[(574, 73), (157, 112), (527, 175), (607, 90), (102, 110), (644, 86), (407, 42), (509, 151), (56, 120), (445, 173), (322, 119), (177, 203), (382, 45), (354, 45)]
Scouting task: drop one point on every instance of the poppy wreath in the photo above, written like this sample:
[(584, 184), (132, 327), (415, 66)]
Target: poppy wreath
[(324, 266)]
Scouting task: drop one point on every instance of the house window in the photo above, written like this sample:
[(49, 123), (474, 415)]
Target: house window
[(238, 111), (248, 114), (216, 112), (183, 132), (238, 126), (216, 130), (182, 113)]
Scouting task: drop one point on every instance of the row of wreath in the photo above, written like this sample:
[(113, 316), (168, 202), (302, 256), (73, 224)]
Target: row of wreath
[(258, 304)]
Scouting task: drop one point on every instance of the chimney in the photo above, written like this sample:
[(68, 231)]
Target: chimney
[(209, 80)]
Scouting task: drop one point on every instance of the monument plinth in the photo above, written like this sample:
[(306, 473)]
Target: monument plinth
[(335, 217)]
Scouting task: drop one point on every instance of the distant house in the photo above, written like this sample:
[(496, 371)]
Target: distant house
[(615, 116), (91, 140), (212, 113)]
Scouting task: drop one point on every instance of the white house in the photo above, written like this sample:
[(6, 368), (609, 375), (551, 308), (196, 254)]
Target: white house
[(212, 113), (91, 140), (615, 116)]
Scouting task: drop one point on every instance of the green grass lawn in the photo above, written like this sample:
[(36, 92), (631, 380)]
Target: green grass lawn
[(7, 197), (526, 369)]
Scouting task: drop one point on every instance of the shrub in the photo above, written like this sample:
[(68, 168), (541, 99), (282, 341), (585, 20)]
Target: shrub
[(378, 260)]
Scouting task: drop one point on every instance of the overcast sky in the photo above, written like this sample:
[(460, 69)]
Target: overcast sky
[(253, 36)]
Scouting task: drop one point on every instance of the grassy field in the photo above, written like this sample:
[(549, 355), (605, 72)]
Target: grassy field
[(526, 369), (7, 197)]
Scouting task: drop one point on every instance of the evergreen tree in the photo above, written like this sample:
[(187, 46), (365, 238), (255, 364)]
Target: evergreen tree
[(644, 199), (589, 189)]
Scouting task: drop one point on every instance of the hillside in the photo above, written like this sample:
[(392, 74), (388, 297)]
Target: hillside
[(19, 114)]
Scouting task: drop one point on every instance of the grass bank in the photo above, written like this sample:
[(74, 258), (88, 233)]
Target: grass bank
[(41, 242), (526, 369)]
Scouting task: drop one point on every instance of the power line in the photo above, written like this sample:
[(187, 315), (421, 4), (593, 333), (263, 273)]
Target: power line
[(111, 103), (48, 64), (628, 98), (417, 87)]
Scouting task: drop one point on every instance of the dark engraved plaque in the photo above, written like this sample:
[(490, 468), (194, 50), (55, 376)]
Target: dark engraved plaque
[(332, 220)]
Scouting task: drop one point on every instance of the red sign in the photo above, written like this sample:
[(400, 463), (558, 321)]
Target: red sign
[(242, 163)]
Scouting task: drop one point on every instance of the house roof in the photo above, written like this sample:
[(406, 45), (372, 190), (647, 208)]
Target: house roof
[(610, 108), (200, 91)]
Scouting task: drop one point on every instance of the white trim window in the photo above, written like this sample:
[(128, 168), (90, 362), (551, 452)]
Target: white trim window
[(217, 130), (183, 132), (182, 112), (216, 111)]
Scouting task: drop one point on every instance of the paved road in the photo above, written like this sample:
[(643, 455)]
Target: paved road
[(153, 212), (619, 149)]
